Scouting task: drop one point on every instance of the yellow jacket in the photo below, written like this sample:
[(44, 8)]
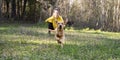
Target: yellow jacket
[(53, 20)]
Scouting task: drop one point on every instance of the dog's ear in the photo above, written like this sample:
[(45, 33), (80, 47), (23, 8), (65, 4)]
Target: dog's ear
[(66, 21)]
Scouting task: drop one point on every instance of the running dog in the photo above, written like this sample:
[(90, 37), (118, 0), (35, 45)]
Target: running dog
[(60, 36)]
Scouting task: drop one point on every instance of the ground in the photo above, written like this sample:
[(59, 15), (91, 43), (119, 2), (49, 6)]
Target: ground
[(32, 42)]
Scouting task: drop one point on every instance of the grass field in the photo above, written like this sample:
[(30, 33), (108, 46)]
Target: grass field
[(31, 42)]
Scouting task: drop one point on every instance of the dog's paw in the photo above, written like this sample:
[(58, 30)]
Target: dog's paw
[(61, 45), (59, 41)]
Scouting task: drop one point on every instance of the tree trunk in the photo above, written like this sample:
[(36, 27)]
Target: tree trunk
[(0, 7), (7, 4), (24, 7), (13, 10), (18, 9)]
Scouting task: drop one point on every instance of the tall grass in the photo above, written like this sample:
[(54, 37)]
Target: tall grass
[(31, 42)]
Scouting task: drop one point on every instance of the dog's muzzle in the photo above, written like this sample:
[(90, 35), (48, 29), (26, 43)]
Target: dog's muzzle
[(60, 26)]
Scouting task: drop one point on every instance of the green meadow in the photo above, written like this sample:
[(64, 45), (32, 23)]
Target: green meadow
[(32, 42)]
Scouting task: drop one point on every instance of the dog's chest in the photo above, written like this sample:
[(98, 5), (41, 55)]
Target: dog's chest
[(59, 34)]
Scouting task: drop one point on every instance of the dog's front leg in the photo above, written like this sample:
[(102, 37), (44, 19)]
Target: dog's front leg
[(62, 41), (57, 38)]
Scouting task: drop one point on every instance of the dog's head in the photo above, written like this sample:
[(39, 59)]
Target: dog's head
[(60, 25)]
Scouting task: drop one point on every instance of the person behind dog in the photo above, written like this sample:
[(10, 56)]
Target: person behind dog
[(52, 21)]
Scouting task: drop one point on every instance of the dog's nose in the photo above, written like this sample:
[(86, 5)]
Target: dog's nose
[(60, 26)]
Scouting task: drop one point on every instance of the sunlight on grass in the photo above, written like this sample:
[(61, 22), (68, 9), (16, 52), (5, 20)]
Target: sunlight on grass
[(33, 43), (3, 28)]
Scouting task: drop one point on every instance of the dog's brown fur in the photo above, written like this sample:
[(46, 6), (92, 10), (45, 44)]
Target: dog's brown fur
[(60, 36)]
